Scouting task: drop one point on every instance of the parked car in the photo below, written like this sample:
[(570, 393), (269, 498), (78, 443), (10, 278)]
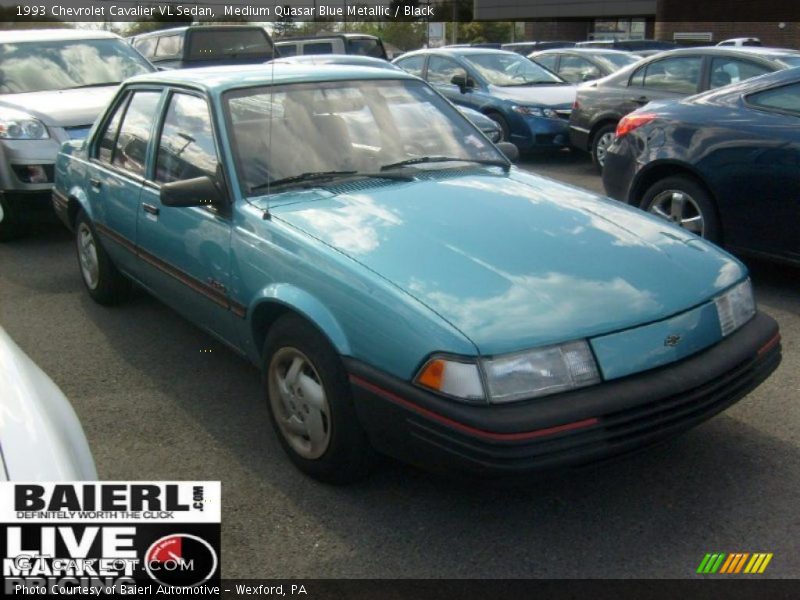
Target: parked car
[(577, 65), (742, 41), (489, 128), (205, 45), (670, 75), (41, 438), (525, 48), (407, 295), (530, 104), (724, 165), (53, 84), (629, 45), (334, 43)]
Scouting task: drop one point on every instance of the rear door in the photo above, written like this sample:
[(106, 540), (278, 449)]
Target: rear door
[(116, 173), (671, 77), (186, 250)]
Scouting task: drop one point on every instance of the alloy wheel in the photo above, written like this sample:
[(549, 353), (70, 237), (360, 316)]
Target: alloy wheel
[(601, 149), (680, 208), (87, 255)]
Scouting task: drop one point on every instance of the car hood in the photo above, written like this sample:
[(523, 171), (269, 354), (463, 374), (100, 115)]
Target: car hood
[(544, 95), (515, 261), (40, 436), (62, 108)]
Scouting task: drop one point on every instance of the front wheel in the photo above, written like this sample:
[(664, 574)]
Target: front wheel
[(684, 202), (105, 284), (311, 405), (505, 131), (601, 141)]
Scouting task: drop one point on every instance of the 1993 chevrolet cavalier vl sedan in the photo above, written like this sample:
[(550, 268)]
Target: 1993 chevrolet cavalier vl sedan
[(404, 288)]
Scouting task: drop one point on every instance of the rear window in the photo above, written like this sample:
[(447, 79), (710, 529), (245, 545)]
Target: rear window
[(366, 47), (169, 45), (318, 48), (211, 44)]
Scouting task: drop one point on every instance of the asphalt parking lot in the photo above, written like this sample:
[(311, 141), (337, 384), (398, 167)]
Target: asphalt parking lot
[(160, 400)]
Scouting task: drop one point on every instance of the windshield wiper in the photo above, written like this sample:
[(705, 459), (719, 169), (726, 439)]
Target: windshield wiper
[(434, 159), (89, 85), (317, 176)]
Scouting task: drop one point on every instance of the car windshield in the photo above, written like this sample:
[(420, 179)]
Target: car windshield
[(615, 61), (234, 42), (67, 64), (507, 70), (346, 127)]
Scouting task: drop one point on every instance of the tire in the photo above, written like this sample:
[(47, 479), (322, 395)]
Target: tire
[(312, 409), (11, 227), (601, 140), (105, 284), (505, 131), (683, 201)]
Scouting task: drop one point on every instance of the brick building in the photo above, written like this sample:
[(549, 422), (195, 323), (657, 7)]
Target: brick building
[(775, 22)]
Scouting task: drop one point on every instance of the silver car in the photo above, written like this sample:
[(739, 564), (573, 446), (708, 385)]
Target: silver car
[(53, 84)]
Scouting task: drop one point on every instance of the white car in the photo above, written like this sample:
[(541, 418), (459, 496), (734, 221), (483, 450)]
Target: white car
[(41, 438), (53, 84), (742, 41)]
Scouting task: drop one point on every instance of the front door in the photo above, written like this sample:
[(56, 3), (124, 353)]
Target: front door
[(117, 171), (185, 251)]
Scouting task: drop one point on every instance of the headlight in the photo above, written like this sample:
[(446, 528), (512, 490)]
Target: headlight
[(535, 111), (16, 125), (513, 377), (735, 307)]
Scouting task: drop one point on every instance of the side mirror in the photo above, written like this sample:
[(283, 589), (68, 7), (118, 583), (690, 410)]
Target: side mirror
[(199, 191), (464, 82), (510, 151)]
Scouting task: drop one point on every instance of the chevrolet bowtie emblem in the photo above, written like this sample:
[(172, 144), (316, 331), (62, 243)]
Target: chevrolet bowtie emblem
[(672, 340)]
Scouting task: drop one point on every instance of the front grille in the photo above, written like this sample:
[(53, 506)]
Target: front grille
[(615, 433)]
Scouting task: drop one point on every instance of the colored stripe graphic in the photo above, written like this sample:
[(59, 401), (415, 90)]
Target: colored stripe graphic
[(734, 563)]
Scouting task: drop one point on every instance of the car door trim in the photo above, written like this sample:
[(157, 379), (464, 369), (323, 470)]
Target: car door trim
[(209, 291)]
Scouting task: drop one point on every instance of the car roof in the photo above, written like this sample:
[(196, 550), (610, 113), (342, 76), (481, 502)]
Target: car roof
[(15, 36), (337, 59), (766, 52), (219, 79), (320, 36), (174, 30), (461, 51), (589, 51)]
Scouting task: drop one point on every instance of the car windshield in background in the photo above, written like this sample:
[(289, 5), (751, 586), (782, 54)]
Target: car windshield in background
[(365, 47), (616, 61), (507, 70), (67, 64), (345, 127), (790, 60), (213, 44)]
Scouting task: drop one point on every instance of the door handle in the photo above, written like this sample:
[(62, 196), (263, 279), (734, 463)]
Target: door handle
[(95, 183), (149, 208)]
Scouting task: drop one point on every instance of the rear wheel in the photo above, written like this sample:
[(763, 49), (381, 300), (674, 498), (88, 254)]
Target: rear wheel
[(311, 405), (105, 284), (685, 202), (601, 140)]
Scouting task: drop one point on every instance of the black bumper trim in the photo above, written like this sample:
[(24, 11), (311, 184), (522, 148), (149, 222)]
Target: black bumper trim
[(565, 429)]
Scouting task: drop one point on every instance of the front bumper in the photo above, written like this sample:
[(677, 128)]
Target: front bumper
[(569, 429), (540, 132), (28, 206), (579, 138)]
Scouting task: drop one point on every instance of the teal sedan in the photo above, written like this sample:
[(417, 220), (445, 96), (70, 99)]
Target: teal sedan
[(403, 288)]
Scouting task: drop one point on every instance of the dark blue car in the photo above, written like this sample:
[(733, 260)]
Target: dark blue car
[(724, 164), (531, 104)]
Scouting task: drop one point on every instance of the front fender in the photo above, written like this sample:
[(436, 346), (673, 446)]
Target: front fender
[(300, 301)]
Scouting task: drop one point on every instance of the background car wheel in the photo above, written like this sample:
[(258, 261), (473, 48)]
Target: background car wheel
[(311, 406), (502, 123), (601, 140), (683, 201), (105, 284), (10, 226)]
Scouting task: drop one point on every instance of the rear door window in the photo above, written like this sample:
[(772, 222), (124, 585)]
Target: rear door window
[(726, 70), (679, 75), (548, 61)]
